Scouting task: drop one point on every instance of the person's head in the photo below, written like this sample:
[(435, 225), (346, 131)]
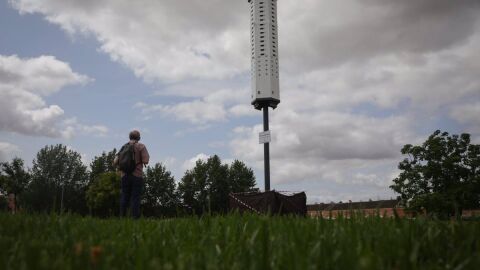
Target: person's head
[(134, 135)]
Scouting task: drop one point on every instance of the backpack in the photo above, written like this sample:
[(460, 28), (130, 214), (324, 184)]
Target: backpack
[(126, 158)]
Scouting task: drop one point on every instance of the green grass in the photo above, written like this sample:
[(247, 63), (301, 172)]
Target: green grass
[(236, 242)]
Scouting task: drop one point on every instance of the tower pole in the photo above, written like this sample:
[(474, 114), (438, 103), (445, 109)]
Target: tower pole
[(266, 149)]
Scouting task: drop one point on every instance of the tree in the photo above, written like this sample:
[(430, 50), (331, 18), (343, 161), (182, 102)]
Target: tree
[(160, 196), (193, 188), (242, 178), (206, 187), (441, 175), (102, 164), (13, 178), (218, 184), (59, 181), (103, 194)]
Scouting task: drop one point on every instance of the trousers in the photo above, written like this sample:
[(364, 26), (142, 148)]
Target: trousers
[(132, 188)]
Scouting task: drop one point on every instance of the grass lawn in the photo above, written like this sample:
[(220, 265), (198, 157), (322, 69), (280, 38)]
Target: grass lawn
[(236, 242)]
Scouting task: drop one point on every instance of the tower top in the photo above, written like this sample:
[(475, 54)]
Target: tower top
[(264, 54)]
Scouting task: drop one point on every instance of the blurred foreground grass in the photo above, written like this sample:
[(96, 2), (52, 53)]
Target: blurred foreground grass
[(236, 242)]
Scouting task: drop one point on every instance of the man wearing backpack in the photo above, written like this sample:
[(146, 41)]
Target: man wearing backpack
[(130, 160)]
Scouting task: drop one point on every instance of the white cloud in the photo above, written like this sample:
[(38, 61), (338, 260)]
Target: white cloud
[(197, 111), (169, 162), (210, 108), (167, 40), (83, 157), (73, 127), (242, 110), (8, 151), (23, 83), (43, 75), (190, 163)]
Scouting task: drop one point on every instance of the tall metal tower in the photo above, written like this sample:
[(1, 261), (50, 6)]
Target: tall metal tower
[(264, 69)]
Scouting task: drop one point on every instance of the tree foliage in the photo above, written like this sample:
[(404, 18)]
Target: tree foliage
[(441, 175), (102, 164), (13, 178), (59, 180), (241, 177), (207, 185), (160, 197), (103, 194)]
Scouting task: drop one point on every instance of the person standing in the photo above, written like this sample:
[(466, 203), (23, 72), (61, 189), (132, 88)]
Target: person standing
[(130, 161)]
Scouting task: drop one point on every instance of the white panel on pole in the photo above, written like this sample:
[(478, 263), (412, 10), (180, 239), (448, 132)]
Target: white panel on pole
[(264, 137), (264, 54)]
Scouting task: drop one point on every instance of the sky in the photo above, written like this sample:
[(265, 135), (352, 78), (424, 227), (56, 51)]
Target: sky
[(358, 80)]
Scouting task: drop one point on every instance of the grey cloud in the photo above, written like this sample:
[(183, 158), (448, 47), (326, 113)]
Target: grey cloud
[(168, 40), (336, 136), (337, 33), (8, 77), (7, 151), (468, 114), (328, 146)]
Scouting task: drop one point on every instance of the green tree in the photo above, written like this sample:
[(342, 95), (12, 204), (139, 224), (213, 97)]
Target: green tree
[(242, 178), (206, 187), (59, 181), (441, 175), (103, 194), (13, 178), (218, 185), (193, 188), (102, 164), (160, 197)]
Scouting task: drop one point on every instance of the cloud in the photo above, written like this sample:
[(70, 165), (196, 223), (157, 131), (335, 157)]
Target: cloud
[(43, 75), (8, 151), (242, 110), (209, 109), (331, 34), (467, 113), (326, 146), (158, 40), (173, 40), (83, 157), (197, 111), (73, 127), (190, 163), (169, 162), (23, 84)]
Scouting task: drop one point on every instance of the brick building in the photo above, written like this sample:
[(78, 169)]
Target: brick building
[(385, 208)]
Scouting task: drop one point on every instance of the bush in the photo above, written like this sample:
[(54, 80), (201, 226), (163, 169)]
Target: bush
[(103, 195)]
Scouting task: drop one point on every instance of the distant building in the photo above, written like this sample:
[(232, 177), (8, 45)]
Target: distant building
[(384, 208)]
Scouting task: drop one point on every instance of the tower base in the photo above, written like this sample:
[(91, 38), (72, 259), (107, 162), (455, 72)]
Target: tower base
[(269, 202)]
